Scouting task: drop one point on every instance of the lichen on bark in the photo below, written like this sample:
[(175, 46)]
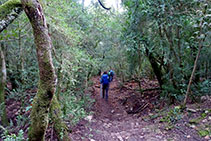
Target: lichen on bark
[(8, 6), (9, 11)]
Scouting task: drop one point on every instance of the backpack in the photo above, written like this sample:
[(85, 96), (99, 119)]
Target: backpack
[(111, 73), (105, 79)]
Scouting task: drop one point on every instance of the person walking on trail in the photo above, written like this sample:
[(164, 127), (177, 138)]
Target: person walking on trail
[(111, 75), (105, 85)]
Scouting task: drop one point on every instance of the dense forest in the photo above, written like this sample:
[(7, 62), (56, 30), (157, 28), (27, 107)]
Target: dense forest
[(53, 53)]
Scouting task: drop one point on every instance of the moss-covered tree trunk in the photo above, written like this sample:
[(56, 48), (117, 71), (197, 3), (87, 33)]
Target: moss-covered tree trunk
[(3, 77), (56, 116), (9, 11), (47, 82)]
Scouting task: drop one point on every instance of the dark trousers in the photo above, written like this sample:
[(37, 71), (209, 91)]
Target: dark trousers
[(111, 78), (105, 89)]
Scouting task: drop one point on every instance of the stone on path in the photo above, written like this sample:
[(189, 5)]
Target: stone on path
[(89, 118)]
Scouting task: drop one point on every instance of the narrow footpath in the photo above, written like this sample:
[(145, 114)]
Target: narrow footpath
[(110, 122)]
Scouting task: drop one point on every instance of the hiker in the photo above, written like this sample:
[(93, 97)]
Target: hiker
[(111, 75), (105, 85)]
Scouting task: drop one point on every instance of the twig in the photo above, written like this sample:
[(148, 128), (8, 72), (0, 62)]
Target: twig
[(139, 109)]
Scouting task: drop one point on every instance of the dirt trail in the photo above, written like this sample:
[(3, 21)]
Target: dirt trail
[(111, 122)]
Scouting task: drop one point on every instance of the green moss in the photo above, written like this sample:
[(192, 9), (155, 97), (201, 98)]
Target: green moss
[(39, 115), (8, 6), (195, 121), (56, 116), (203, 115)]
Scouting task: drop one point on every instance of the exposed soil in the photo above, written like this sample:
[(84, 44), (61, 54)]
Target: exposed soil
[(130, 116)]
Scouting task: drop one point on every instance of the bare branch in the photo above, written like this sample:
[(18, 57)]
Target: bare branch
[(103, 5)]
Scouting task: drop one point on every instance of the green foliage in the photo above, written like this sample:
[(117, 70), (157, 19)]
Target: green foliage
[(12, 137), (199, 119), (75, 108), (73, 46), (74, 55), (167, 34), (203, 133), (204, 88), (172, 116)]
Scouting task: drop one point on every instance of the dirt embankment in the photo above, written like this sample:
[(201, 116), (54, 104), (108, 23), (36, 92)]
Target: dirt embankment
[(130, 116)]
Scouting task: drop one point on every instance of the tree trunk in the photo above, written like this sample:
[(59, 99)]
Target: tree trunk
[(56, 116), (196, 60), (47, 82), (155, 67), (192, 74), (3, 77)]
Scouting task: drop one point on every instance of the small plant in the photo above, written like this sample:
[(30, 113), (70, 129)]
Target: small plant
[(12, 137), (203, 133), (172, 116)]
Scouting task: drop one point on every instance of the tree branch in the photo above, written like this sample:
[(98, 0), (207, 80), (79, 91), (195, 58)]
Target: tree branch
[(103, 5), (9, 11)]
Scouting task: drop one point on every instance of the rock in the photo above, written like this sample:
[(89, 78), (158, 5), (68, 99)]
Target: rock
[(203, 98), (207, 137), (141, 137), (89, 118), (150, 114), (188, 136), (209, 117), (191, 110), (158, 131), (205, 120), (112, 111), (131, 108), (92, 140), (119, 137), (132, 124), (158, 137), (193, 126)]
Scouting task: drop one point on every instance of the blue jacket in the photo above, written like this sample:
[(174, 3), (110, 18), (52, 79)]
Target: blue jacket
[(104, 79)]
